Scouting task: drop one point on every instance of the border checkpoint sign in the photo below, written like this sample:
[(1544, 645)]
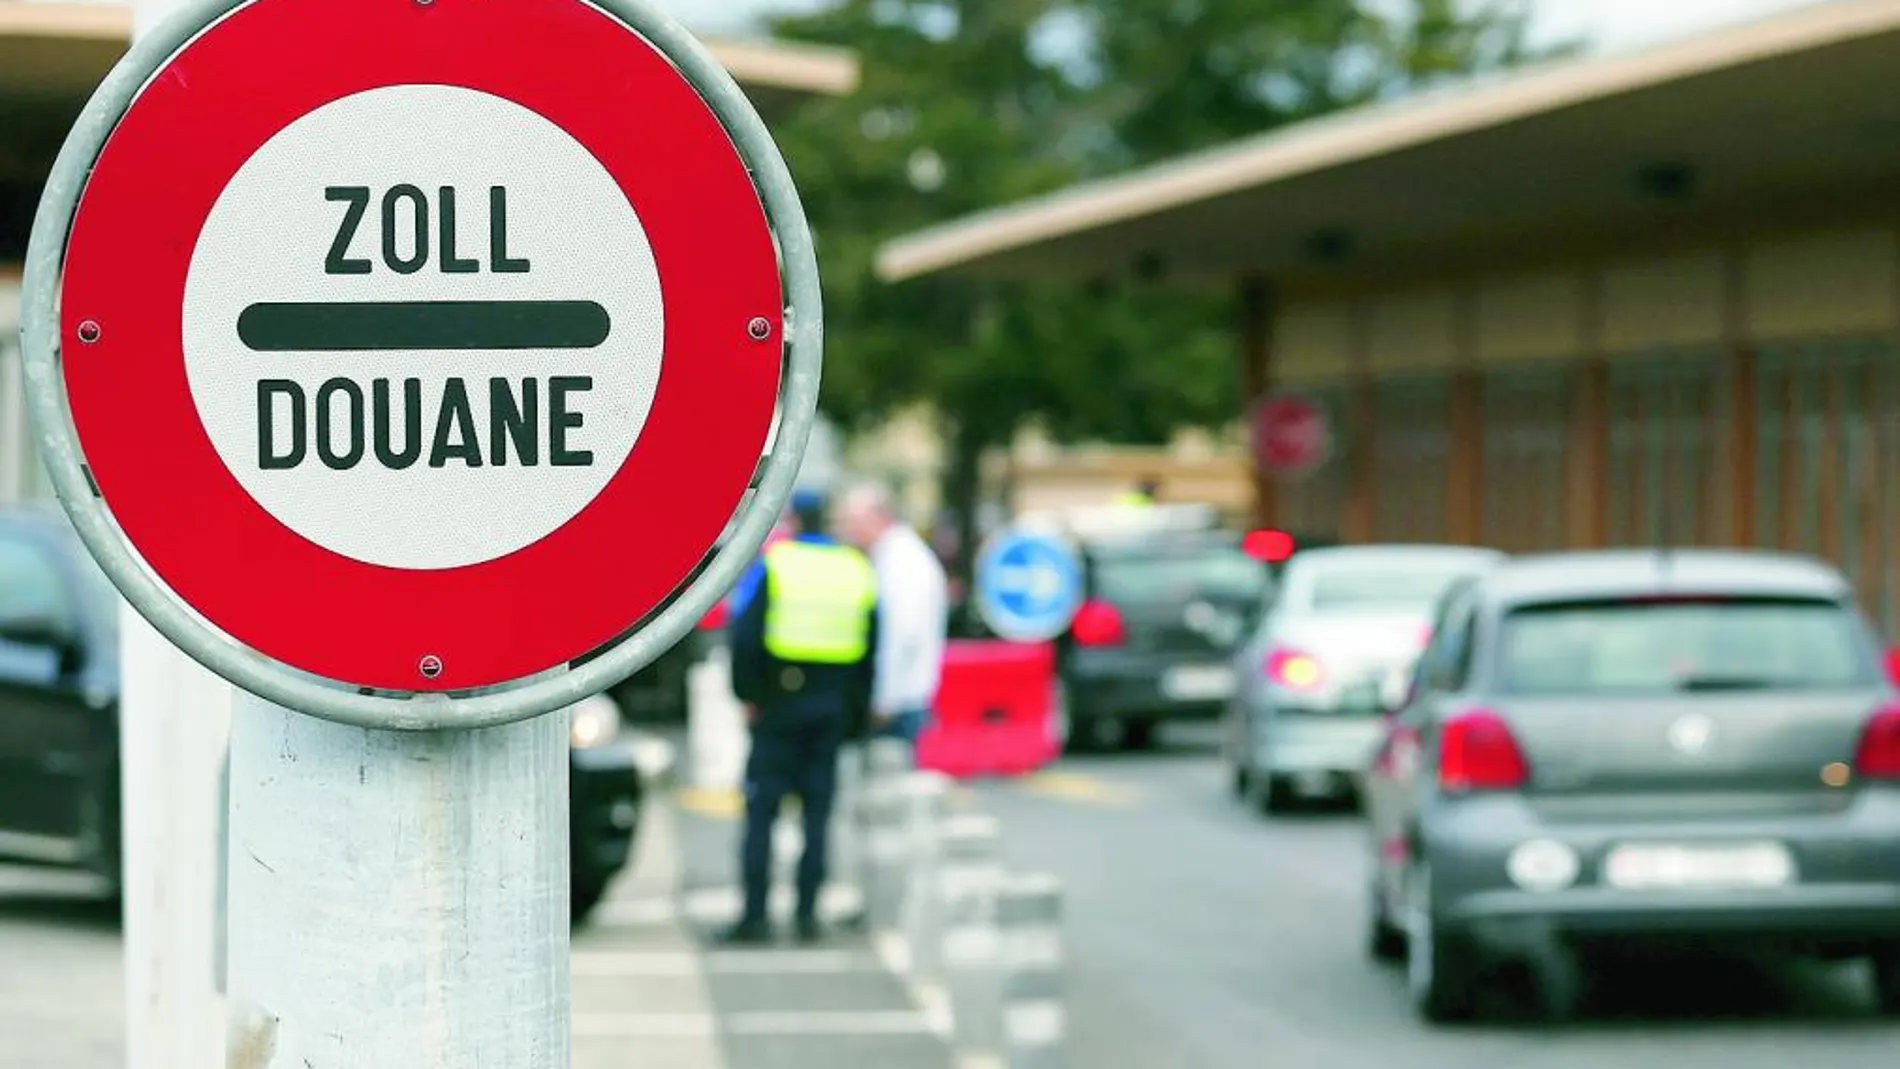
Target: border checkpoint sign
[(1028, 585), (386, 350)]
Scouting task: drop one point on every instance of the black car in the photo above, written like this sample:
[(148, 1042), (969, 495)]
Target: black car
[(59, 721), (1164, 611)]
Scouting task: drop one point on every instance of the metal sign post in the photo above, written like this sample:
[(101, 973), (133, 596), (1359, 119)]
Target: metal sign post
[(174, 723), (401, 363)]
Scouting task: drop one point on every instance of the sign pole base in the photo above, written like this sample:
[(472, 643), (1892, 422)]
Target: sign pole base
[(172, 720), (397, 898)]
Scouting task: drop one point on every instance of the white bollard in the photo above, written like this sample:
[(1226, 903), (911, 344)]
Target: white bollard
[(889, 759), (926, 798), (969, 877), (882, 845), (1029, 930), (717, 738)]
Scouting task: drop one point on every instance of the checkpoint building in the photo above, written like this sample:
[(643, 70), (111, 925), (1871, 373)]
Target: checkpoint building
[(54, 53), (1627, 300)]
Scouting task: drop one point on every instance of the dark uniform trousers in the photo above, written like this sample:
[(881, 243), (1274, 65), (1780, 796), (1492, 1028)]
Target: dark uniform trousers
[(795, 750)]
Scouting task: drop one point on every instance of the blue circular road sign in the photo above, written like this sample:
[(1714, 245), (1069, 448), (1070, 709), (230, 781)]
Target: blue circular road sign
[(1028, 586)]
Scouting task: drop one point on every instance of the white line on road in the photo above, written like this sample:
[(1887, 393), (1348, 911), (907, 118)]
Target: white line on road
[(862, 1023), (645, 1025), (657, 1025), (717, 905), (608, 963)]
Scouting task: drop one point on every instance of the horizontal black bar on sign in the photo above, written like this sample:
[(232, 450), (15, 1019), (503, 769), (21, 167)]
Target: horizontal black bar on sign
[(428, 325)]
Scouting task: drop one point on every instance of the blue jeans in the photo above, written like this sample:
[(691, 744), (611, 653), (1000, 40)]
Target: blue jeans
[(907, 725)]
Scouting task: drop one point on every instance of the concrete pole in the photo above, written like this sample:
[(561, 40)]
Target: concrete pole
[(397, 898), (174, 717)]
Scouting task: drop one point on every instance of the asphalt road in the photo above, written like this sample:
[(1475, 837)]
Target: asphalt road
[(62, 994), (1205, 937)]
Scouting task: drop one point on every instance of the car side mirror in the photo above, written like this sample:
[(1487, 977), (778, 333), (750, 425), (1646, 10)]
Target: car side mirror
[(38, 626)]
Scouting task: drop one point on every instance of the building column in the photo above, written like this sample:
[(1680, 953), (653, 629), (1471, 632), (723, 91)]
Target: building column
[(1256, 321), (1359, 431), (1464, 417), (1586, 496), (1743, 412)]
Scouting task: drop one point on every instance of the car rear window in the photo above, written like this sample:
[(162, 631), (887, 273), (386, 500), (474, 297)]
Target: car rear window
[(1381, 589), (1221, 572), (1628, 647)]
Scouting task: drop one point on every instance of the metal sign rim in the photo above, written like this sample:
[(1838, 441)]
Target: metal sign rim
[(1009, 625), (282, 684)]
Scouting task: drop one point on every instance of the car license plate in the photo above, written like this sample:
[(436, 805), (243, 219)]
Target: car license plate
[(1198, 684), (1654, 867)]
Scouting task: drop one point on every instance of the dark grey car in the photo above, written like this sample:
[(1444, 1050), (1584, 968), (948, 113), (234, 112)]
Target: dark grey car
[(1152, 643), (1642, 748)]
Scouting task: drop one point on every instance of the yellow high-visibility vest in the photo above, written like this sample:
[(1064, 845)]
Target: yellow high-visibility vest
[(1133, 499), (821, 599)]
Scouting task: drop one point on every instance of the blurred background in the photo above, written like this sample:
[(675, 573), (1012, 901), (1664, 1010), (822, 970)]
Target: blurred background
[(1525, 275)]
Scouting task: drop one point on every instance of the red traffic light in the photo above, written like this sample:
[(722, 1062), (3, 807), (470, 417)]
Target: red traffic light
[(1272, 547)]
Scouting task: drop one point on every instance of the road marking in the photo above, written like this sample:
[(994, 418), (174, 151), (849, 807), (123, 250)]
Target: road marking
[(635, 913), (711, 802), (718, 905), (727, 803), (653, 963), (861, 1023), (932, 1000), (1075, 787), (645, 1025), (698, 1025)]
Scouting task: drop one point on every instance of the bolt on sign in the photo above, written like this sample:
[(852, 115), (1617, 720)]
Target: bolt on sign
[(420, 347)]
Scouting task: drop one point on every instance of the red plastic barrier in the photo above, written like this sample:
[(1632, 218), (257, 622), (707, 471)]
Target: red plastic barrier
[(995, 711)]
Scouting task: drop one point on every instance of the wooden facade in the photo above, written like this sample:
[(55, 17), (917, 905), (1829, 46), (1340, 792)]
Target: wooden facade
[(1746, 393)]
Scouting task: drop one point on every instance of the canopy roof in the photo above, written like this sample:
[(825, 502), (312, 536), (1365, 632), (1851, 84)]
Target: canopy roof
[(1795, 108)]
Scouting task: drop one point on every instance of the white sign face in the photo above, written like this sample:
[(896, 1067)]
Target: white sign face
[(423, 327)]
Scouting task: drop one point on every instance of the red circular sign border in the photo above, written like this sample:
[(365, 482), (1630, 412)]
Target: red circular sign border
[(1308, 409), (577, 589)]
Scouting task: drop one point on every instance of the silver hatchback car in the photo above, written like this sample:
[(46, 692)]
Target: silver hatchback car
[(1657, 749), (1333, 650)]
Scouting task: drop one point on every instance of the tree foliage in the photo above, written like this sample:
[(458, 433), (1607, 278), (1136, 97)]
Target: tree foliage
[(969, 104)]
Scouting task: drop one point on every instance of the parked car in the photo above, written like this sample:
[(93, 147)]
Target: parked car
[(1638, 749), (1151, 643), (1333, 650), (59, 722)]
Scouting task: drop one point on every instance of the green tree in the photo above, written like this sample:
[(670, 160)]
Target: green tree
[(1175, 77), (963, 107)]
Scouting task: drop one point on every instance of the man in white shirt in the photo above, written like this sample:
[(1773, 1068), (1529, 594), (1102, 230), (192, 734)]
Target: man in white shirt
[(913, 610)]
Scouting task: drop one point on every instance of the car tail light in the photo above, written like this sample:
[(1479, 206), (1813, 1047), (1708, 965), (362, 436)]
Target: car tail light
[(1893, 665), (1098, 624), (1477, 752), (1294, 669), (1879, 754), (1268, 547)]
